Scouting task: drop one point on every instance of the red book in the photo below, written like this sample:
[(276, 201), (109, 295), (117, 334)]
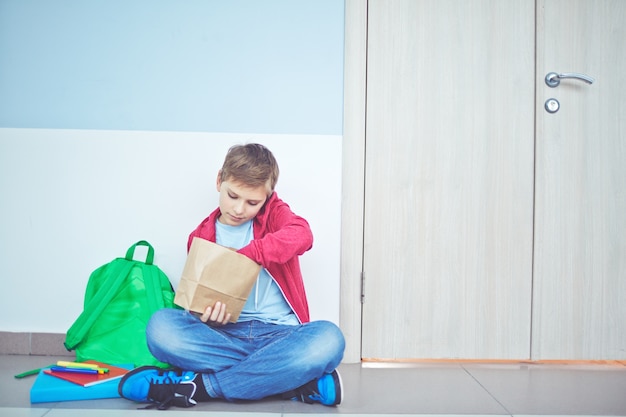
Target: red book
[(87, 380)]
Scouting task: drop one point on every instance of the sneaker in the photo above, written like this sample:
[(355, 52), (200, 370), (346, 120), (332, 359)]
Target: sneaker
[(162, 387), (326, 390)]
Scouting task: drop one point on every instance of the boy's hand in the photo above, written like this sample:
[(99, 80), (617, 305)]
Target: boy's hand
[(216, 315)]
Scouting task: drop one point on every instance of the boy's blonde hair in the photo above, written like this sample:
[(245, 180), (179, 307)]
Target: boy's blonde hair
[(252, 165)]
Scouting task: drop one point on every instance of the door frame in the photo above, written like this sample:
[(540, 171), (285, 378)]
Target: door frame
[(353, 176)]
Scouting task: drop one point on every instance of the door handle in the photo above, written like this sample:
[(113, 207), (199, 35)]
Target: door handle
[(553, 79)]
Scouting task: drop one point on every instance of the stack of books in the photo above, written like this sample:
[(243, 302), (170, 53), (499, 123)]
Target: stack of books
[(68, 381)]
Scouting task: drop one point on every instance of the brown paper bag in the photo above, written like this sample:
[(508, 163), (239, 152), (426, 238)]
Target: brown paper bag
[(215, 273)]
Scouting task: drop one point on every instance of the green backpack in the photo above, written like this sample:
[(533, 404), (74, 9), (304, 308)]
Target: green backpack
[(120, 298)]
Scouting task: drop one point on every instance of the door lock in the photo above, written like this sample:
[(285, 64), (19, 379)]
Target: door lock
[(552, 105)]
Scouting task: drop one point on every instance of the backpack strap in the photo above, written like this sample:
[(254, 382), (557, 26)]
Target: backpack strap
[(119, 270), (151, 274), (154, 292)]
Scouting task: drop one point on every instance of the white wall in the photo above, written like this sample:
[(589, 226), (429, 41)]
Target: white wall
[(73, 200), (116, 116)]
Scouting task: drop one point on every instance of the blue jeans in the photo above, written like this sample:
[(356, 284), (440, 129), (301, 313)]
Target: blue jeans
[(248, 360)]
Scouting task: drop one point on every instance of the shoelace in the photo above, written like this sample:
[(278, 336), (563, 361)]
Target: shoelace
[(307, 393), (164, 394)]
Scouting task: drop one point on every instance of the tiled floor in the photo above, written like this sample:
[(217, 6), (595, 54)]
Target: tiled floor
[(382, 389)]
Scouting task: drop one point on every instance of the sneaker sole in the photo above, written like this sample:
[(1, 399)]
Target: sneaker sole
[(337, 402)]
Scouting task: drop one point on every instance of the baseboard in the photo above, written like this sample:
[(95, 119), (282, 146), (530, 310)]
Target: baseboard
[(44, 344)]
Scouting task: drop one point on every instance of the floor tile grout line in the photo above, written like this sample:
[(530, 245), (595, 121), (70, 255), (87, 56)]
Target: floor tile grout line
[(487, 391)]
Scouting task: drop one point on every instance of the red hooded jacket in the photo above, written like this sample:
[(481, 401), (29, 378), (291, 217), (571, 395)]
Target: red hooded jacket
[(280, 237)]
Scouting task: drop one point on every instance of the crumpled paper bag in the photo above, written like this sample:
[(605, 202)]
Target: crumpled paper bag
[(215, 273)]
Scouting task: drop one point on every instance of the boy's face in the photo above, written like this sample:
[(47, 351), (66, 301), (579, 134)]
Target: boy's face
[(238, 202)]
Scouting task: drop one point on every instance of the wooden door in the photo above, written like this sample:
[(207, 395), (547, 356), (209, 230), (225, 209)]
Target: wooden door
[(449, 179), (579, 302)]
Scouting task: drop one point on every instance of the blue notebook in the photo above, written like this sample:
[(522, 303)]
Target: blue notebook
[(48, 388)]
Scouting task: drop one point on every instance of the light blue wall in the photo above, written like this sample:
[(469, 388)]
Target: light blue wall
[(260, 66), (115, 117)]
